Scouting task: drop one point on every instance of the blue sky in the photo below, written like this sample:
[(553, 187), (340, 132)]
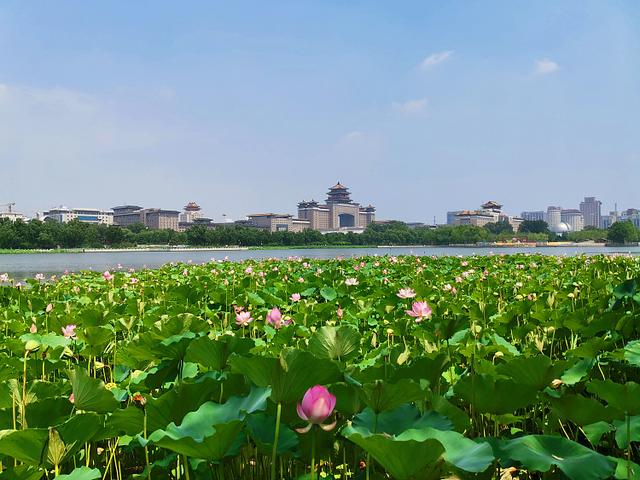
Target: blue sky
[(251, 106)]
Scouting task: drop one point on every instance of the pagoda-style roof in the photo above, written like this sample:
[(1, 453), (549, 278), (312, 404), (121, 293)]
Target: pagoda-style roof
[(338, 194), (338, 186), (192, 207), (491, 205)]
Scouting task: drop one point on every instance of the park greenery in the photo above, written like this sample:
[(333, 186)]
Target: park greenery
[(73, 235), (516, 366)]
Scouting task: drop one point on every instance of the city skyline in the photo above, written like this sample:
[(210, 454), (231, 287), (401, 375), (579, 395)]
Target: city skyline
[(420, 108)]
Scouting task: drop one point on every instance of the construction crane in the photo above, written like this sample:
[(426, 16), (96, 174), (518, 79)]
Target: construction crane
[(8, 205)]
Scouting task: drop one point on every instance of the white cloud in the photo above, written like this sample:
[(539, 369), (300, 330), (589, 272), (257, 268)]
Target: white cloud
[(354, 135), (410, 106), (434, 59), (545, 66)]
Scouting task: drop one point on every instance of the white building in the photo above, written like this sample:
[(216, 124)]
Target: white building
[(538, 215), (87, 215), (573, 218)]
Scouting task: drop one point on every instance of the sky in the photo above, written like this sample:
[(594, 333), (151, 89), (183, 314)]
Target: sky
[(252, 106)]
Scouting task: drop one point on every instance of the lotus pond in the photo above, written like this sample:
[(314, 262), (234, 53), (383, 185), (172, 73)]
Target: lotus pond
[(505, 367)]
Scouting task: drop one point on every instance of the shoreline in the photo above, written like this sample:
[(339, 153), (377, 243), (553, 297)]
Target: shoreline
[(156, 248)]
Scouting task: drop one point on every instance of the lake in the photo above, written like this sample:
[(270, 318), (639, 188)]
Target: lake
[(25, 265)]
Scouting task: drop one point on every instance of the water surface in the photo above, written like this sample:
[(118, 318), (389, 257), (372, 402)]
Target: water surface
[(26, 265)]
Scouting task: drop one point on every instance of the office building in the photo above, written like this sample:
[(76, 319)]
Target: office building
[(86, 215), (591, 212)]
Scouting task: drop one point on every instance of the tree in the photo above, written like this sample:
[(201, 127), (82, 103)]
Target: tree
[(499, 227), (534, 226), (622, 232)]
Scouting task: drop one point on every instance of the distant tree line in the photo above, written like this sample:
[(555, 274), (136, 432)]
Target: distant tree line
[(52, 235)]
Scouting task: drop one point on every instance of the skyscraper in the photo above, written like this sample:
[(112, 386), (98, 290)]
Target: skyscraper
[(590, 209)]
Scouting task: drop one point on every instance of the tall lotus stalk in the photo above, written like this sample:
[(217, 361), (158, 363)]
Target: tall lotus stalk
[(276, 438)]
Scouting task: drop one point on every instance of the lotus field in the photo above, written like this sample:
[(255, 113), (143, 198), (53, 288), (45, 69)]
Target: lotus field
[(497, 367)]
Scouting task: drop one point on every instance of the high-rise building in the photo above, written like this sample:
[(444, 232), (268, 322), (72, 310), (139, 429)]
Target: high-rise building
[(86, 215), (632, 214), (451, 216), (573, 218), (533, 216), (591, 212), (154, 218)]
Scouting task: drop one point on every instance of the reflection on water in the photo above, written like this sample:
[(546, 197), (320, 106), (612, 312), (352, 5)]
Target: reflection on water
[(27, 265)]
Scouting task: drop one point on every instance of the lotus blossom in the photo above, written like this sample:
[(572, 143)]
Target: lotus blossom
[(39, 276), (49, 308), (406, 293), (69, 331), (248, 270), (316, 406), (351, 281), (339, 312), (34, 328), (274, 317), (419, 310), (72, 398), (4, 278), (243, 319), (107, 276), (295, 297)]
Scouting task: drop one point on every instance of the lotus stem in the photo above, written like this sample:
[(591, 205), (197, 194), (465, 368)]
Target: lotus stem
[(185, 462), (276, 436), (146, 446), (313, 454)]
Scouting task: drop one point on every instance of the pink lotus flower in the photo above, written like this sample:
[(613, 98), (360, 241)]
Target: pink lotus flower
[(69, 331), (419, 310), (316, 406), (243, 319), (274, 317), (295, 297), (339, 312), (72, 398), (406, 293), (351, 281), (4, 278), (248, 270), (39, 276), (107, 276), (49, 308), (34, 328)]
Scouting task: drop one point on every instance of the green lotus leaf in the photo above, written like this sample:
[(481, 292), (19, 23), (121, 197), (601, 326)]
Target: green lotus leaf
[(626, 470), (335, 343), (623, 397), (214, 430), (632, 352), (540, 453), (22, 472), (177, 402), (531, 372), (90, 394), (579, 371), (289, 376), (583, 410), (328, 293), (214, 354), (381, 396), (496, 396), (82, 473), (405, 457), (24, 445), (622, 436), (262, 430), (403, 417)]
